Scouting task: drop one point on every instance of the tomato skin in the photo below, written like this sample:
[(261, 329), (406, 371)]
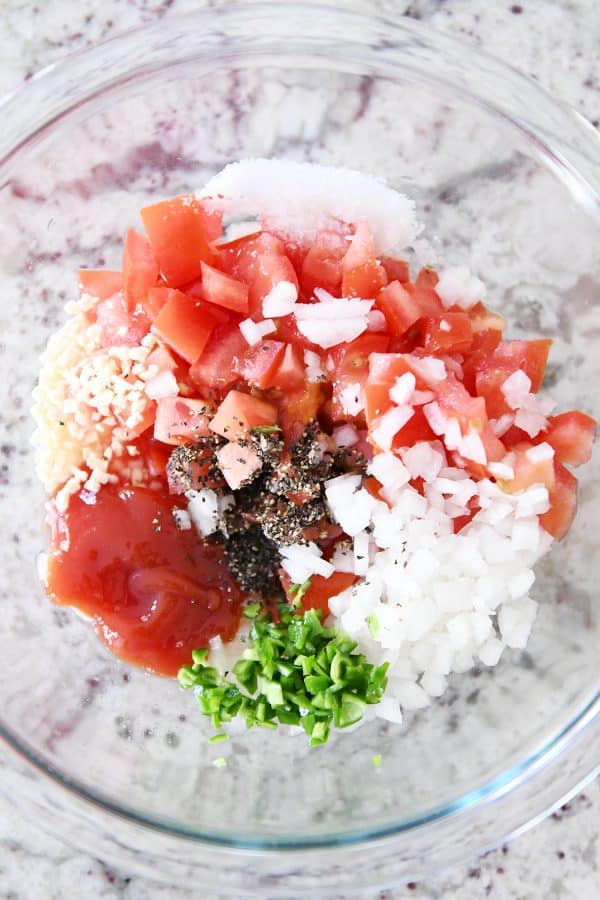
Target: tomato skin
[(180, 231), (222, 290), (572, 435), (156, 593), (238, 413), (184, 325), (100, 283), (320, 590), (563, 503), (140, 268), (322, 266), (362, 274), (216, 368), (260, 364), (450, 333)]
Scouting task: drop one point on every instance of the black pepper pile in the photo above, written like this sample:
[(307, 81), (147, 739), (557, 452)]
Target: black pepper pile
[(282, 503)]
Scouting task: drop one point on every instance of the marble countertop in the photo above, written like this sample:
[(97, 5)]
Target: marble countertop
[(553, 41)]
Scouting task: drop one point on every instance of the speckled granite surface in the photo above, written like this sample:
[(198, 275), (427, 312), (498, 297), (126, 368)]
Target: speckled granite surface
[(555, 42)]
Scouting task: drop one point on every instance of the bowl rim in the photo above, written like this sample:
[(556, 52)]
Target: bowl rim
[(59, 89)]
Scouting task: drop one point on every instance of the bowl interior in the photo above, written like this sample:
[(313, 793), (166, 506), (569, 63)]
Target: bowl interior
[(490, 196)]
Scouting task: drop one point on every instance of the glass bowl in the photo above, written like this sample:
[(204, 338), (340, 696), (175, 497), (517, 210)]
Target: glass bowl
[(506, 180)]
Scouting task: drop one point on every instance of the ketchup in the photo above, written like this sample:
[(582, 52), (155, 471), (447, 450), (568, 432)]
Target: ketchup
[(155, 593)]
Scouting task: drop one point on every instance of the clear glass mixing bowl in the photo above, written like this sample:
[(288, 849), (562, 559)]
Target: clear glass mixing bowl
[(118, 761)]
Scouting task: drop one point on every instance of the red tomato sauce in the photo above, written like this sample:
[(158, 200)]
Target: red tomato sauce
[(155, 593)]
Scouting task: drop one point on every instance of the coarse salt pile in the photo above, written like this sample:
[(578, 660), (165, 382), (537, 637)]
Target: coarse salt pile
[(302, 198), (87, 405)]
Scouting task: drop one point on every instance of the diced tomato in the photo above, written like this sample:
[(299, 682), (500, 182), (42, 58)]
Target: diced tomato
[(399, 307), (119, 328), (351, 367), (423, 292), (239, 413), (450, 333), (563, 503), (288, 331), (140, 268), (216, 368), (260, 263), (352, 360), (322, 265), (155, 300), (179, 420), (377, 400), (260, 364), (100, 283), (483, 320), (396, 269), (180, 231), (222, 290), (493, 369), (162, 359), (270, 269), (184, 325), (416, 429), (528, 471), (530, 356), (299, 408), (320, 589), (291, 373), (238, 463), (363, 275), (572, 435), (155, 454)]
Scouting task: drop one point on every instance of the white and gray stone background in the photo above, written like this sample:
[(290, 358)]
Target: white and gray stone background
[(557, 42)]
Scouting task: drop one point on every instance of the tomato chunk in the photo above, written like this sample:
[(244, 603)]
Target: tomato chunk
[(100, 283), (572, 436), (396, 269), (119, 328), (399, 307), (259, 261), (320, 589), (239, 413), (222, 290), (260, 364), (140, 268), (179, 420), (216, 368), (563, 503), (450, 333), (291, 373), (180, 231), (322, 266), (238, 463), (184, 325), (363, 274)]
